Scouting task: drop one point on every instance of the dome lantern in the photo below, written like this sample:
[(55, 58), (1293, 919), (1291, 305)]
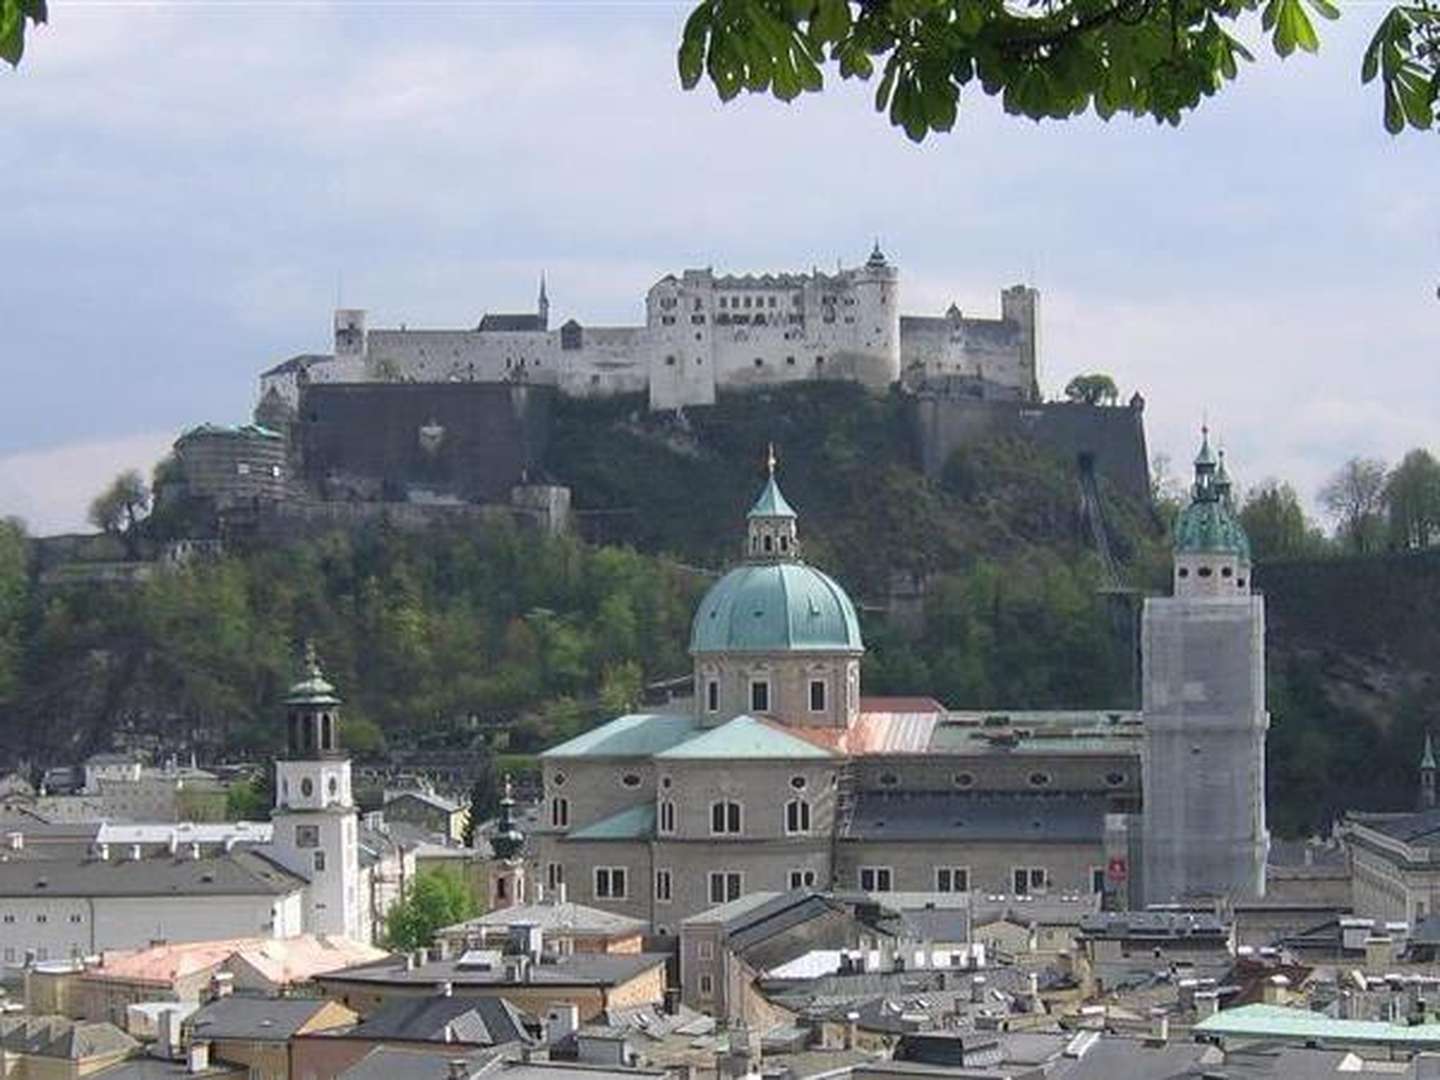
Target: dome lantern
[(771, 531)]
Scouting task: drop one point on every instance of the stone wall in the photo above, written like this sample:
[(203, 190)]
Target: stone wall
[(1111, 438)]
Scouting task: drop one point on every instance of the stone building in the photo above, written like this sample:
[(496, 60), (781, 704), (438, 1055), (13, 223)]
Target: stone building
[(782, 775), (703, 332)]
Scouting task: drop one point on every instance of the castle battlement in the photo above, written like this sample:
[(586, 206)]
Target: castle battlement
[(702, 332)]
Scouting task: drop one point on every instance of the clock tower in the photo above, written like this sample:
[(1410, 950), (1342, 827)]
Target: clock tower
[(315, 824)]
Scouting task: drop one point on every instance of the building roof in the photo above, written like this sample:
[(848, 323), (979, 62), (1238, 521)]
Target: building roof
[(775, 606), (554, 918), (632, 735), (254, 1019), (771, 502), (429, 798), (235, 873), (281, 961), (632, 823), (511, 322), (1159, 926), (727, 913), (481, 1021), (578, 969), (297, 364), (390, 1062), (960, 815), (745, 737), (59, 1037), (1418, 828), (1280, 1022), (1209, 523)]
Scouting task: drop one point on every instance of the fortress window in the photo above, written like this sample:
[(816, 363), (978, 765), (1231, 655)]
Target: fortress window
[(772, 301), (610, 883), (790, 361), (698, 320), (1225, 571), (817, 695), (725, 818), (1039, 779), (819, 361), (699, 304), (768, 542), (963, 779), (1239, 582), (1029, 880), (759, 362), (888, 779), (1205, 571), (952, 879), (669, 361), (320, 860), (1184, 571), (760, 696), (559, 779), (784, 543), (747, 301), (663, 893), (722, 301), (876, 879), (797, 817)]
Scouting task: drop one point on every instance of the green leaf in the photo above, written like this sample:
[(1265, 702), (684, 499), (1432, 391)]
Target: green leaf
[(12, 32)]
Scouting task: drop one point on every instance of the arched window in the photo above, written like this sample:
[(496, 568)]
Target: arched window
[(667, 816), (797, 817), (725, 818), (560, 812)]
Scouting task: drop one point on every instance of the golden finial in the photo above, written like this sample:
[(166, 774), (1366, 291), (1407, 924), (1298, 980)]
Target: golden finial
[(770, 459)]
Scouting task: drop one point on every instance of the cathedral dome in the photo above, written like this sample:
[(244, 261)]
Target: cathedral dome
[(775, 607)]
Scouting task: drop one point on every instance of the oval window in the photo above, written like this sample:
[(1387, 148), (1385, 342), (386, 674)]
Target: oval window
[(798, 783), (665, 781), (1205, 571), (307, 787), (631, 779), (1039, 779), (1184, 571), (963, 779), (889, 779)]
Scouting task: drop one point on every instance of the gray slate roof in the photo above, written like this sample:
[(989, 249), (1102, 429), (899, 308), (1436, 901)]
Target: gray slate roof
[(510, 323), (254, 1018), (392, 1062), (957, 816), (482, 1021), (236, 873), (57, 1037), (579, 969), (553, 918)]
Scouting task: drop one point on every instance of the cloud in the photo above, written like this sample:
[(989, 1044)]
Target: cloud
[(50, 489)]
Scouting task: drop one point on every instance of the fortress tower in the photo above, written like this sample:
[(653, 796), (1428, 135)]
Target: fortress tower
[(877, 321), (315, 821), (1203, 661)]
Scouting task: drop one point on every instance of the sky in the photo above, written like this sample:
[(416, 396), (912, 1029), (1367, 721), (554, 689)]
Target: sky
[(187, 188)]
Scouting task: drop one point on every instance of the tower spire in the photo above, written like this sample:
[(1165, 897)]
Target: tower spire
[(772, 532), (1427, 774), (542, 306)]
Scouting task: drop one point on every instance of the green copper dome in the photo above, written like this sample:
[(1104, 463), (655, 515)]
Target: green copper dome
[(775, 606), (314, 688), (1209, 523)]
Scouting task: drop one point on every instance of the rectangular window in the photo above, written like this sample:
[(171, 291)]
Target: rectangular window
[(797, 817), (307, 836), (707, 985), (725, 818), (952, 879), (817, 695), (1030, 880), (667, 817), (1097, 881), (760, 696), (42, 918), (698, 320), (875, 879), (724, 886), (712, 695), (610, 883), (802, 879), (662, 887), (554, 875), (77, 918), (319, 860), (706, 950)]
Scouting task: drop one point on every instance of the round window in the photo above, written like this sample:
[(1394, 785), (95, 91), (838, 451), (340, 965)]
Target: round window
[(963, 779), (889, 779), (630, 779), (1205, 571), (1039, 779), (1184, 571), (1225, 571), (307, 787), (798, 783), (558, 779)]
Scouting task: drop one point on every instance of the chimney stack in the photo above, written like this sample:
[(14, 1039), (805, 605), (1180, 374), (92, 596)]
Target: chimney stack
[(1159, 1026), (198, 1059), (1207, 1003)]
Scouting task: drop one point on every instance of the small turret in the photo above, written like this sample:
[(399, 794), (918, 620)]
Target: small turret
[(507, 869), (1427, 775), (313, 717), (508, 841), (1212, 553), (771, 532)]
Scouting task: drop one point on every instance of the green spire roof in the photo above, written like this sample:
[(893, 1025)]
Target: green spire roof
[(771, 502), (313, 688), (1209, 523)]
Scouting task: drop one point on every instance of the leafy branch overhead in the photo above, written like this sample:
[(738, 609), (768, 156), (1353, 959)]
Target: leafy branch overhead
[(1044, 58), (14, 14)]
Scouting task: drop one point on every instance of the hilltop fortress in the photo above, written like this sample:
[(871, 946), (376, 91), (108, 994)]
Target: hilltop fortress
[(703, 332)]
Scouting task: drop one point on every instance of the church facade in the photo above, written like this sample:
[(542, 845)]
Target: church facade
[(782, 774)]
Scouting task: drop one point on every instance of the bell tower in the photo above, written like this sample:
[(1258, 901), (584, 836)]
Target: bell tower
[(507, 869), (316, 830), (1427, 775), (771, 532)]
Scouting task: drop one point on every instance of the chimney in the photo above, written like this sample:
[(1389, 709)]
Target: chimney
[(1277, 990), (1159, 1026), (15, 841), (173, 844), (198, 1059), (1207, 1003), (195, 849), (1379, 952), (852, 1029), (977, 989), (1187, 989), (457, 1069), (222, 985), (444, 988), (560, 1021), (104, 852), (134, 852)]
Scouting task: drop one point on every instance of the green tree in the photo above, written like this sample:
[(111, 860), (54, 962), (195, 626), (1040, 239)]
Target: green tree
[(122, 504), (1094, 389), (1052, 60), (1276, 524), (434, 900), (14, 595), (1354, 497), (247, 800), (620, 687), (484, 798), (1412, 499), (14, 14)]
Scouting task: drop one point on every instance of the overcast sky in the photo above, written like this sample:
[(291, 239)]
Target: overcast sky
[(186, 187)]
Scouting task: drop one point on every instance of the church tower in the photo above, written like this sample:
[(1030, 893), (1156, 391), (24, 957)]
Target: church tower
[(542, 307), (1203, 675), (507, 868), (316, 831)]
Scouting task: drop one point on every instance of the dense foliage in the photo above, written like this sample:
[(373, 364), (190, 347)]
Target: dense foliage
[(434, 900), (1044, 59)]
